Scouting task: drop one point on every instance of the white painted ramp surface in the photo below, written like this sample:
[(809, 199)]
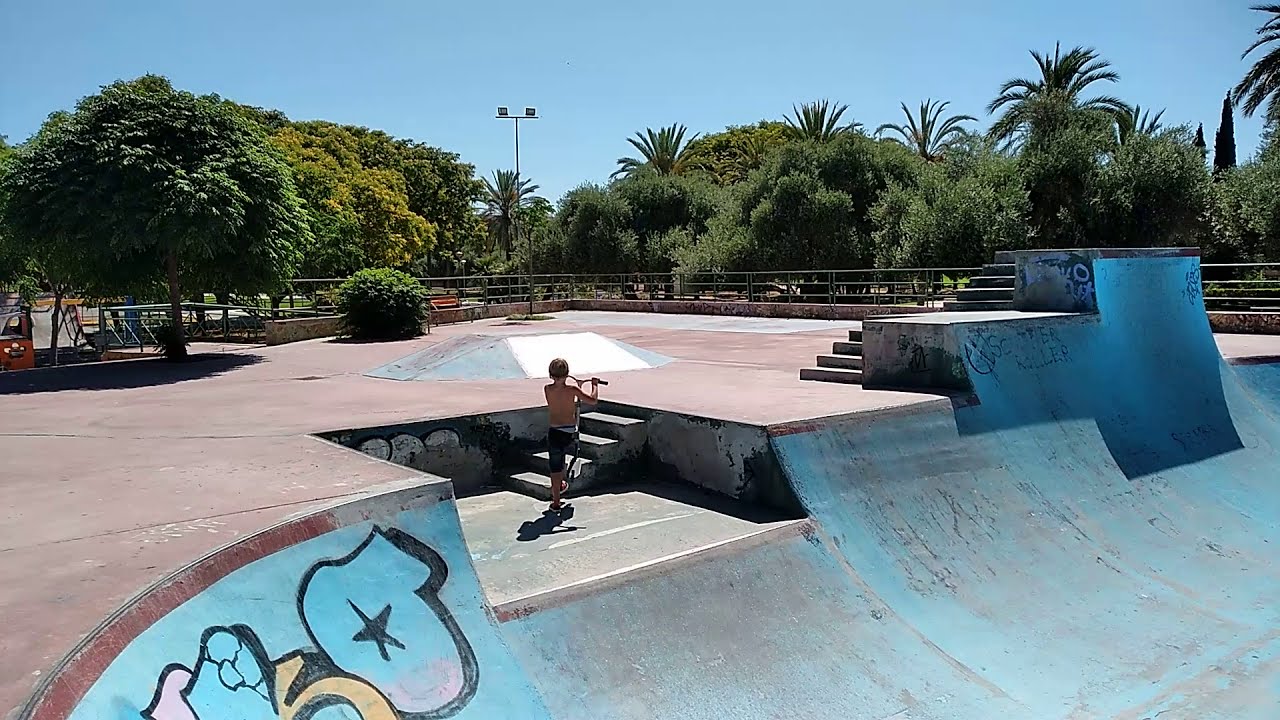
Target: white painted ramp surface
[(586, 352)]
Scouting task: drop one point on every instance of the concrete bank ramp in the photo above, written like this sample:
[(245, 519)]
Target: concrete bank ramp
[(773, 626), (1095, 534), (370, 610)]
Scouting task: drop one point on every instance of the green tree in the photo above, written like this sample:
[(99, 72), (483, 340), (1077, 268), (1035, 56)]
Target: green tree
[(1136, 121), (504, 197), (359, 214), (1261, 85), (1245, 214), (1224, 142), (1154, 192), (664, 152), (1199, 142), (730, 155), (597, 231), (819, 121), (930, 135), (1034, 105), (143, 182), (957, 214)]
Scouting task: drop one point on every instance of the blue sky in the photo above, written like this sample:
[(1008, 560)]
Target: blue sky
[(599, 70)]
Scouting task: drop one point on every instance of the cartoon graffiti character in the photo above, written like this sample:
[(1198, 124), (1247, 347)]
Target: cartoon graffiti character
[(232, 677), (377, 614), (385, 648)]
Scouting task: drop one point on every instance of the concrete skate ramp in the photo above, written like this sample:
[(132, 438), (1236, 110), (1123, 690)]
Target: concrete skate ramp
[(773, 626), (1095, 534), (507, 357), (370, 610)]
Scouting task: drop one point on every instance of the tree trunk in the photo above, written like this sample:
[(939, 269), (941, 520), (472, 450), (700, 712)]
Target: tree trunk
[(178, 349), (58, 292)]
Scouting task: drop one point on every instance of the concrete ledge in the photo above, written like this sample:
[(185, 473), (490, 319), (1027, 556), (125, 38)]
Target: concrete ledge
[(280, 332), (813, 311), (470, 313), (1245, 323)]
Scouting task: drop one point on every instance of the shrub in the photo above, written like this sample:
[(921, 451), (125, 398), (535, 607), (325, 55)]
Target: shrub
[(382, 304)]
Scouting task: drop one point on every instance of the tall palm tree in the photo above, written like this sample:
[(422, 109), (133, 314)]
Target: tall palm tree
[(503, 197), (1063, 80), (1137, 121), (1262, 83), (819, 121), (665, 152), (931, 136)]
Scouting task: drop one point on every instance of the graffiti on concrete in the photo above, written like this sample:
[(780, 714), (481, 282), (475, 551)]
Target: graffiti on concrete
[(404, 448), (918, 359), (1194, 289), (1029, 348), (1061, 282), (383, 646)]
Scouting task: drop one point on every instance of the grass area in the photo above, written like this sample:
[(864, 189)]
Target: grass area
[(526, 316)]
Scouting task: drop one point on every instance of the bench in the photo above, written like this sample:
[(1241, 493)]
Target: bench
[(445, 302)]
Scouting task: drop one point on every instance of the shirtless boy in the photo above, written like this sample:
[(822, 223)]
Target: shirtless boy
[(562, 419)]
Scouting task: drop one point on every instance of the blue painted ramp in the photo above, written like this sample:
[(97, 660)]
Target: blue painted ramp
[(1095, 535), (773, 626)]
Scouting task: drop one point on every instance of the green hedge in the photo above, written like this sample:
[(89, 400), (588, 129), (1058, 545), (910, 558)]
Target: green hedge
[(382, 304)]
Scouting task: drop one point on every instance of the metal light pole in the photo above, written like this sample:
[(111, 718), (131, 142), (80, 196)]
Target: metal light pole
[(529, 114)]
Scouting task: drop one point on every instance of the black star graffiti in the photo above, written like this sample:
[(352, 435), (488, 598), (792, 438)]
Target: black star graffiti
[(375, 630)]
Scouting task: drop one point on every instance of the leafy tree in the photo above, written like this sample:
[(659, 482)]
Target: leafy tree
[(597, 231), (1261, 85), (930, 135), (359, 214), (504, 197), (1154, 192), (1136, 121), (143, 182), (1245, 214), (957, 214), (730, 155), (1060, 175), (1062, 82), (659, 206), (664, 152), (819, 121), (1224, 142), (810, 206)]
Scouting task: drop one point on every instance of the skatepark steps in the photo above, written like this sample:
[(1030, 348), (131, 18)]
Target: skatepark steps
[(608, 457), (843, 365)]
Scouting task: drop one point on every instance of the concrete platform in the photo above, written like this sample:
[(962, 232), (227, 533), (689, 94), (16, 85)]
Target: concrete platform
[(124, 471), (520, 548)]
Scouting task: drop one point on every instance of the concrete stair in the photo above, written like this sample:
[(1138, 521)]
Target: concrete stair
[(843, 365), (990, 290), (604, 440)]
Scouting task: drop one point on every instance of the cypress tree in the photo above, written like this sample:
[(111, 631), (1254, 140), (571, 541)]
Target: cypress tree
[(1200, 143), (1224, 144)]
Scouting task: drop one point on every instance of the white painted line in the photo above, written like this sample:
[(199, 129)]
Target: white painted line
[(624, 528)]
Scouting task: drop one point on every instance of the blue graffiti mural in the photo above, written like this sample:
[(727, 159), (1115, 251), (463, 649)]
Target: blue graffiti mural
[(361, 623)]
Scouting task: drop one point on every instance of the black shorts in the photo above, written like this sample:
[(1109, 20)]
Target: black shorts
[(558, 443)]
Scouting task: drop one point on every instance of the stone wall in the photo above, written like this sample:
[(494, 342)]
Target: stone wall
[(815, 311), (293, 330), (1245, 323)]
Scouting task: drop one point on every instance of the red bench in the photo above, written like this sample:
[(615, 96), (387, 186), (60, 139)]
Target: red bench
[(445, 302)]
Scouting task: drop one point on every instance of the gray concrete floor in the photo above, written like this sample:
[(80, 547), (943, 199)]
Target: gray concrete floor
[(520, 548)]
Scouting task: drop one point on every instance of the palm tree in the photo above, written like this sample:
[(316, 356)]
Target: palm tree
[(1063, 80), (1137, 121), (1262, 83), (930, 138), (665, 152), (503, 197), (819, 121)]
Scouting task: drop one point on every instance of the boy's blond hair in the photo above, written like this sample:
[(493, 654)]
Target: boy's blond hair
[(559, 368)]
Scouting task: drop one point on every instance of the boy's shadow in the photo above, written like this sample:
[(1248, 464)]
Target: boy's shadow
[(549, 523)]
